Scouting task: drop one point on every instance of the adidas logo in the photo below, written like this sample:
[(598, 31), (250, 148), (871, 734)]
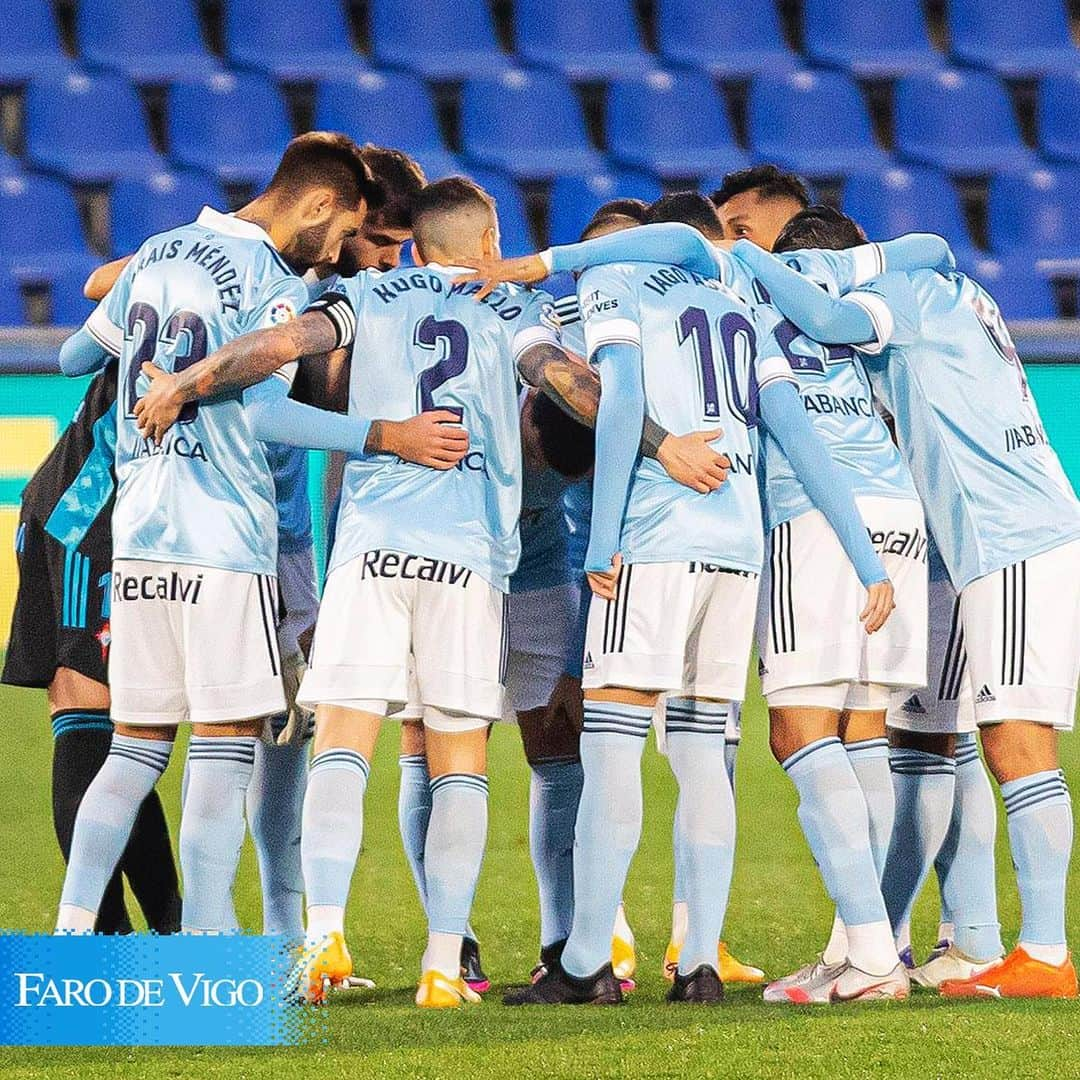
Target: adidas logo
[(914, 705), (588, 664), (984, 695)]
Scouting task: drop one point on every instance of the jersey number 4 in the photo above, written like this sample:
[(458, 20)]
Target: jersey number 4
[(738, 350), (184, 336), (428, 333)]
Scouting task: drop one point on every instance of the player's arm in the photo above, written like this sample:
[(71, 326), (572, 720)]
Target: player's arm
[(104, 278), (323, 381), (101, 337), (667, 243), (622, 410), (575, 387), (827, 486), (82, 354)]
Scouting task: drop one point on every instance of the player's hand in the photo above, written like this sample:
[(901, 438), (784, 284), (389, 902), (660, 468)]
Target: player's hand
[(566, 707), (528, 269), (879, 606), (691, 460), (156, 411), (434, 438), (605, 583)]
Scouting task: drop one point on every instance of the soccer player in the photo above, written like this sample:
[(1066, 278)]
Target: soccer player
[(420, 565), (756, 203), (193, 592), (1008, 527), (60, 638), (678, 616)]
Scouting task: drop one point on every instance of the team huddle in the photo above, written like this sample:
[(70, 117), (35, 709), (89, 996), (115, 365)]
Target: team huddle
[(579, 488)]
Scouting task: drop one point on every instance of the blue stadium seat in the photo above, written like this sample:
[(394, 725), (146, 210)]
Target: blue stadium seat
[(438, 39), (9, 164), (143, 41), (813, 122), (873, 39), (574, 199), (515, 236), (67, 305), (1019, 289), (1015, 38), (525, 123), (385, 108), (583, 41), (231, 126), (40, 230), (91, 128), (900, 200), (141, 208), (727, 38), (672, 124), (959, 121), (31, 42), (291, 43), (1036, 212), (1058, 109)]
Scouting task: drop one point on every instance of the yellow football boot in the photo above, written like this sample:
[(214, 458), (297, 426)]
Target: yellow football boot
[(321, 965), (623, 961), (730, 969), (436, 991)]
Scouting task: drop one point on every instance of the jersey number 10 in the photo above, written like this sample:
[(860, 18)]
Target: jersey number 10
[(738, 349)]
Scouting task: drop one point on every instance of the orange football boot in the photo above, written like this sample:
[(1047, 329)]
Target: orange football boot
[(1018, 975)]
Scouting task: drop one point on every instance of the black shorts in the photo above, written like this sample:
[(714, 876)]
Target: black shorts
[(61, 616)]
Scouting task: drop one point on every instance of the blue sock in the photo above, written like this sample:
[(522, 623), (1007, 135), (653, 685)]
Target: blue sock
[(275, 808), (333, 826), (212, 828), (554, 793), (731, 757), (925, 786), (608, 827), (1039, 813), (732, 738), (414, 810), (106, 816), (705, 827), (454, 849), (965, 863), (870, 760), (832, 812)]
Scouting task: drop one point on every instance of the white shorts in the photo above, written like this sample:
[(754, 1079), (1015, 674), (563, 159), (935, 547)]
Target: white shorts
[(809, 633), (541, 623), (674, 626), (385, 608), (944, 706), (840, 696), (192, 643), (1022, 634), (299, 597)]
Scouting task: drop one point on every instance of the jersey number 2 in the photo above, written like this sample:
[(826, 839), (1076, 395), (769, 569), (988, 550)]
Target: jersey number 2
[(183, 324), (428, 333)]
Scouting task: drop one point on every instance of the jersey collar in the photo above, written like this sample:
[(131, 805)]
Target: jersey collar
[(449, 269), (231, 225)]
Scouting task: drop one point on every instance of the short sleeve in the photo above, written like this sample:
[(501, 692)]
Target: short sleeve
[(771, 363), (853, 267), (609, 308), (537, 324), (893, 308), (107, 321), (280, 301)]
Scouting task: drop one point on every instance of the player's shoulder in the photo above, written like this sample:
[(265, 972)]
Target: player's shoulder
[(819, 265)]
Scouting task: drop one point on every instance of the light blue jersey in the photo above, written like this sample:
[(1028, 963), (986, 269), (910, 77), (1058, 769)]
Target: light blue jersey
[(419, 342), (945, 366), (705, 360), (205, 497)]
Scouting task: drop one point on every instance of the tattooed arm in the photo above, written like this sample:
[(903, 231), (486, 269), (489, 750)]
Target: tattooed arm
[(240, 363), (575, 387)]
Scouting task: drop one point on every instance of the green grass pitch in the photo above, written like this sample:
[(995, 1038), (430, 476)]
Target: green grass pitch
[(778, 917)]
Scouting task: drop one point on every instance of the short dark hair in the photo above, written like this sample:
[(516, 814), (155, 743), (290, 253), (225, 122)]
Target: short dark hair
[(820, 227), (568, 447), (441, 198), (401, 178), (609, 213), (689, 208), (769, 181), (326, 159)]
